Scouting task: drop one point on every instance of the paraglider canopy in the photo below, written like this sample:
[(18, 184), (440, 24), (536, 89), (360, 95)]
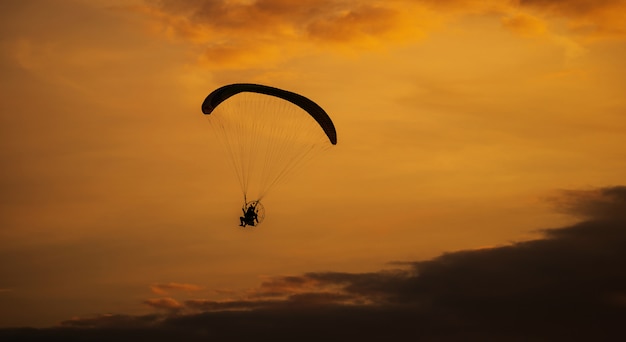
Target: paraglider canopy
[(223, 93)]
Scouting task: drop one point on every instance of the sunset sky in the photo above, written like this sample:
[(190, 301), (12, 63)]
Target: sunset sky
[(466, 128)]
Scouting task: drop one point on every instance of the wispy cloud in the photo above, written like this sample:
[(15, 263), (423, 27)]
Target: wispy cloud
[(163, 289), (586, 17), (166, 303)]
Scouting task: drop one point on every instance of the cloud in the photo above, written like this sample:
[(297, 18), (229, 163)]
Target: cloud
[(606, 203), (261, 33), (319, 20), (524, 24), (598, 18), (167, 304), (115, 321), (206, 305), (240, 33), (163, 289), (569, 285), (589, 19), (283, 286)]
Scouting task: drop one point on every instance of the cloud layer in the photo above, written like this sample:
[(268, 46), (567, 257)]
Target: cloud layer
[(238, 33), (569, 285)]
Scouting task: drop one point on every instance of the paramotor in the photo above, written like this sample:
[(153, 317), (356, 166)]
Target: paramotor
[(267, 132)]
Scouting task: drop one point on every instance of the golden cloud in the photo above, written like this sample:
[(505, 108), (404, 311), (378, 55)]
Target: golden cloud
[(586, 18), (524, 24), (163, 289), (240, 33), (237, 34), (167, 303)]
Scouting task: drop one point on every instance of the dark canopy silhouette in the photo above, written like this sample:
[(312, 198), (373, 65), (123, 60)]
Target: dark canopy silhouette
[(223, 93)]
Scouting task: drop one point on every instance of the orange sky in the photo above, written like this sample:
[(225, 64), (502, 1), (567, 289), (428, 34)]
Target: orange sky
[(458, 122)]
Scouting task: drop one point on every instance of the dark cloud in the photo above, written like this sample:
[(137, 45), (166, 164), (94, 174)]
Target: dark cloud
[(211, 305), (113, 321), (607, 203), (568, 286)]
